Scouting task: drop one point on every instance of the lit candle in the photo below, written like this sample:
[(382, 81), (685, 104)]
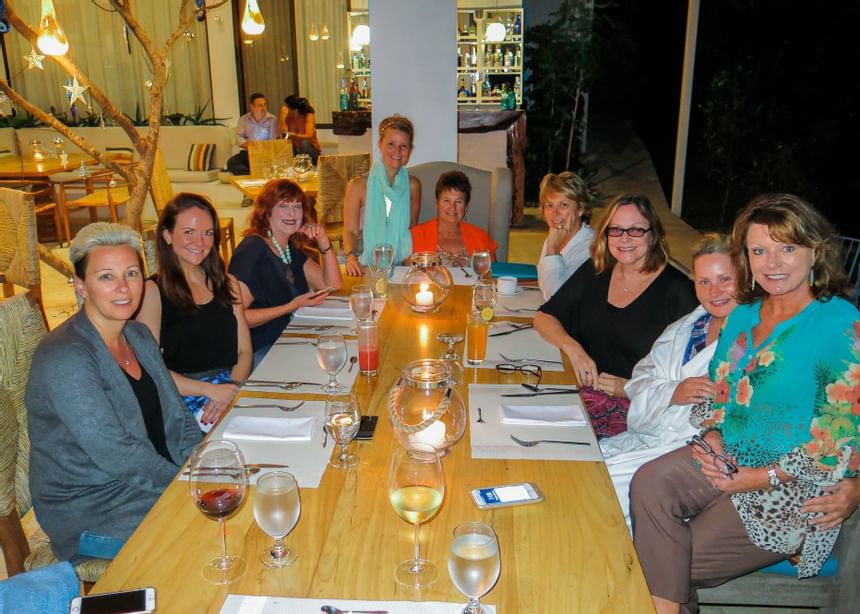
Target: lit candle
[(424, 297), (433, 435), (38, 156)]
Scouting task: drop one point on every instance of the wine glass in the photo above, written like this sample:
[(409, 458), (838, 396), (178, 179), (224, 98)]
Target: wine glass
[(302, 163), (416, 488), (481, 261), (342, 422), (473, 563), (383, 257), (484, 296), (218, 481), (331, 356), (450, 356), (361, 302), (276, 509)]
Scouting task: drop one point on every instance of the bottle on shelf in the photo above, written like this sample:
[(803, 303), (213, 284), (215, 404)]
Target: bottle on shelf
[(497, 57), (474, 59), (343, 99), (364, 91), (518, 25), (509, 58), (462, 90), (353, 96), (503, 94)]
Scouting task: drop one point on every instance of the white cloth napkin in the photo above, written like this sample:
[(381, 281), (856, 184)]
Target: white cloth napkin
[(543, 415), (325, 312), (260, 604), (269, 429)]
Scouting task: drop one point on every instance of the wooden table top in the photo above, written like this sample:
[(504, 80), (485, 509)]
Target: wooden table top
[(16, 167), (311, 186), (570, 551)]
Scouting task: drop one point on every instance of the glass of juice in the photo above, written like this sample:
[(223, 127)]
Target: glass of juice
[(368, 347), (476, 339)]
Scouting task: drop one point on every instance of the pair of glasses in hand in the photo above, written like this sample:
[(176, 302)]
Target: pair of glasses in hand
[(723, 463), (529, 370)]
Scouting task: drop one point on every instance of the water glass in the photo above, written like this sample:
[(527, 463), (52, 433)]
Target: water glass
[(474, 563), (484, 296), (331, 356), (383, 257), (368, 347), (361, 302), (276, 509), (476, 339), (379, 282), (481, 261), (342, 422)]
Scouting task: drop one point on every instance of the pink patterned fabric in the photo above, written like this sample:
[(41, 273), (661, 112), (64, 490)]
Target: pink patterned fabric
[(608, 414)]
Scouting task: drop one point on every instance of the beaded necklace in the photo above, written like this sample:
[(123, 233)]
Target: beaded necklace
[(282, 253)]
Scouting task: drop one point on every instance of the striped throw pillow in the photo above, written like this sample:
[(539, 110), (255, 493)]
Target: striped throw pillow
[(200, 157)]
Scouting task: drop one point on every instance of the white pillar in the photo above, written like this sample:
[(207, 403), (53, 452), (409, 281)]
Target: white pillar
[(684, 109), (222, 63), (414, 72)]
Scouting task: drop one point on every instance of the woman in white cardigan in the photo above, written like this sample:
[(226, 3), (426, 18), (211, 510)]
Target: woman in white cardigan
[(673, 376), (566, 204)]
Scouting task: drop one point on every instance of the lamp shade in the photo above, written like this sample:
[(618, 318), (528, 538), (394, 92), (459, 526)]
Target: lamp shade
[(51, 39), (252, 19), (495, 32)]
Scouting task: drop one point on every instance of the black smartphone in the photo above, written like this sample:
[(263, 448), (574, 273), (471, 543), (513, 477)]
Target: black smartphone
[(366, 428)]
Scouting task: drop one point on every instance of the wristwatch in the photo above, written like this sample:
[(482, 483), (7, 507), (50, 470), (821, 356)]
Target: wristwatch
[(772, 477)]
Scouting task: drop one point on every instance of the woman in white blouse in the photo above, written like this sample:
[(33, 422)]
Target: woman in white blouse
[(565, 203)]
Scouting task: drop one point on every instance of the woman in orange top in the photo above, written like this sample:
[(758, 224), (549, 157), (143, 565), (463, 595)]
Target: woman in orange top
[(448, 234), (297, 122)]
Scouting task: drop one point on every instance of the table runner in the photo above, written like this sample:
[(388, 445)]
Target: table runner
[(491, 438)]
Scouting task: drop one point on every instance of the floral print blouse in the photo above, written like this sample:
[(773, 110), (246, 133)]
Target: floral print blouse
[(794, 401)]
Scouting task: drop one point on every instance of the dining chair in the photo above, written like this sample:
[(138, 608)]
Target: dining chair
[(334, 172), (44, 201), (101, 190), (21, 329), (261, 154), (851, 248), (161, 191), (19, 246)]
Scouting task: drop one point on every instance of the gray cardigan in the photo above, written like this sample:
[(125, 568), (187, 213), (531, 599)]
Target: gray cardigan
[(92, 465)]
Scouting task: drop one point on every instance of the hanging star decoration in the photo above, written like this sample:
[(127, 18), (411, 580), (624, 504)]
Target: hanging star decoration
[(34, 60), (76, 91)]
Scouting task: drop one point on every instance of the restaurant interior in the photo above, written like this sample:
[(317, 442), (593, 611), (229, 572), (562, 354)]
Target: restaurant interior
[(437, 379)]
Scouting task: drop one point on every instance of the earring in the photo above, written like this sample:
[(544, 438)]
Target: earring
[(753, 283), (811, 277), (169, 242)]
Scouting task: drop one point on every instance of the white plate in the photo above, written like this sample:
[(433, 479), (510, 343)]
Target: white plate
[(519, 291)]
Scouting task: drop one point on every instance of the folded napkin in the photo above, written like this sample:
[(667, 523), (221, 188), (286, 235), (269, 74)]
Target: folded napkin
[(253, 183), (321, 312), (543, 415), (269, 429)]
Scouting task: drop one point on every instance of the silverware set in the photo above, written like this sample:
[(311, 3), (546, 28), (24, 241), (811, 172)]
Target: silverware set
[(531, 444), (519, 360), (516, 328), (283, 408), (261, 383), (519, 309)]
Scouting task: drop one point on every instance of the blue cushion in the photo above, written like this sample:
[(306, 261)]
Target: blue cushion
[(47, 591), (784, 568), (514, 269)]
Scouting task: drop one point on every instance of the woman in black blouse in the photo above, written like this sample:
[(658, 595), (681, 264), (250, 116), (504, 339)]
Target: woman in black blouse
[(608, 314), (194, 309)]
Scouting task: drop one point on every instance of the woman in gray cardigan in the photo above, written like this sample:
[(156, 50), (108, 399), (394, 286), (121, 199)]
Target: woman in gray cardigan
[(108, 428)]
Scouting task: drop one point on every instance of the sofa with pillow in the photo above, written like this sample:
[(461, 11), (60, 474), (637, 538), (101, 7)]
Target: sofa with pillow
[(194, 154)]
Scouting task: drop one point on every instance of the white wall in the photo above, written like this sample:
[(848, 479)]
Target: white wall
[(222, 64), (411, 76)]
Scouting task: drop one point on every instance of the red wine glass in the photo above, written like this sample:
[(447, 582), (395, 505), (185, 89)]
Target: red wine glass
[(218, 481)]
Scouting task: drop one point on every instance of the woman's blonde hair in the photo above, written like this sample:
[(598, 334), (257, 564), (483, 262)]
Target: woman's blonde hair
[(571, 186), (658, 251), (101, 234), (398, 122), (712, 243), (790, 219)]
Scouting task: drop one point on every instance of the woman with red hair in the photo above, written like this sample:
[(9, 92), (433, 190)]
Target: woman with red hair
[(275, 276)]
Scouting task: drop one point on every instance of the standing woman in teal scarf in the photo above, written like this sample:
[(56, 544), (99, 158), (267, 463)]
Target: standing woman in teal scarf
[(382, 206)]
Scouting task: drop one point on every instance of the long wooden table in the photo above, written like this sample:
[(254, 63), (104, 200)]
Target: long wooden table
[(310, 186), (571, 553)]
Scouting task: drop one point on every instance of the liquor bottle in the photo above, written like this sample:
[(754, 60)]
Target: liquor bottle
[(474, 90), (459, 57), (497, 57), (509, 58), (518, 25), (362, 60), (353, 96), (488, 56), (504, 97), (518, 57), (512, 100), (343, 99), (364, 91), (474, 58)]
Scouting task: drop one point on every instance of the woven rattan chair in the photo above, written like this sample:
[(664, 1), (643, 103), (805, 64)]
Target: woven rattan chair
[(19, 255), (334, 173), (101, 190), (21, 329), (261, 154), (161, 192)]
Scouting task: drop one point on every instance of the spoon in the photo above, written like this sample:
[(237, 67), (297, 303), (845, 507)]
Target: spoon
[(352, 361)]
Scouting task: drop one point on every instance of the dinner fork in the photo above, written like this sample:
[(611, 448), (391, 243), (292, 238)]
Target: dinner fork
[(519, 309), (283, 408), (281, 385), (309, 342), (465, 272), (509, 359), (530, 444)]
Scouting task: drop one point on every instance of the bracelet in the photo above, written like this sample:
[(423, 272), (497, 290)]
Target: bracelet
[(326, 250)]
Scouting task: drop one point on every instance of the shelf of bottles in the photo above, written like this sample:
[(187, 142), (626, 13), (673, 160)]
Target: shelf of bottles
[(490, 72), (355, 80)]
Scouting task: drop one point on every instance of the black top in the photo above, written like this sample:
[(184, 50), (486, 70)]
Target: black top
[(198, 341), (255, 264), (150, 408), (617, 338)]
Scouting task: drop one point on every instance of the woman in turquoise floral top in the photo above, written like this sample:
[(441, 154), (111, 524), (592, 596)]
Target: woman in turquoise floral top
[(781, 435)]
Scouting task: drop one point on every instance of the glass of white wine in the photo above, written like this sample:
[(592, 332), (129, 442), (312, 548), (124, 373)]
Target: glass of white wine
[(361, 302), (481, 261), (484, 296), (331, 356), (474, 563), (342, 421), (416, 488), (276, 509)]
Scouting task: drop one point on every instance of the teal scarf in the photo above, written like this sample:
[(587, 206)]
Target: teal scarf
[(393, 228)]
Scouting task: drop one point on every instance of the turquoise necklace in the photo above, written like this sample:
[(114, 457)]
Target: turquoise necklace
[(284, 254)]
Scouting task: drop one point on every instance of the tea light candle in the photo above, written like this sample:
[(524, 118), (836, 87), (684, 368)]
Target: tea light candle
[(424, 297), (38, 156), (433, 435)]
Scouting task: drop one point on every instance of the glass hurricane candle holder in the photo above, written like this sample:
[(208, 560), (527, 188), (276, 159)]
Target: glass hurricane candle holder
[(424, 406), (427, 283)]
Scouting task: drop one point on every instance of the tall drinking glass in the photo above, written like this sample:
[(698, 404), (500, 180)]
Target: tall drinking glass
[(383, 257), (416, 488), (481, 262), (331, 356), (276, 509), (361, 302), (218, 482), (476, 339), (484, 298), (342, 420), (473, 562)]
